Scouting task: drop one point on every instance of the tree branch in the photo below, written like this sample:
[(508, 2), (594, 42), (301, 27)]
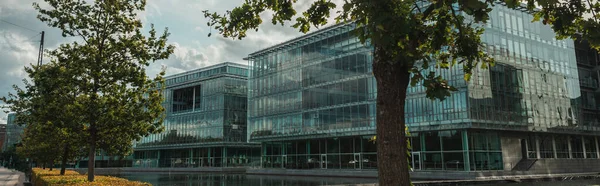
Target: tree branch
[(457, 22), (417, 6), (593, 11)]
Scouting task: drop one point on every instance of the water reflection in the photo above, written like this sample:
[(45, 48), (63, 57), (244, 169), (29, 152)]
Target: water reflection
[(215, 179), (594, 182)]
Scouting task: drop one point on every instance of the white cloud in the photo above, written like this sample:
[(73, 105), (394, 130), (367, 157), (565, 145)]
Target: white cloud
[(14, 56), (184, 19), (184, 58)]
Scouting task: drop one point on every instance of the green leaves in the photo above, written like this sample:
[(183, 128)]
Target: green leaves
[(44, 109), (239, 20), (96, 92)]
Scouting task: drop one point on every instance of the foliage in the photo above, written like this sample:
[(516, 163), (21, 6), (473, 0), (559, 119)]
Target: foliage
[(569, 19), (40, 151), (110, 98), (13, 160), (41, 177), (48, 135)]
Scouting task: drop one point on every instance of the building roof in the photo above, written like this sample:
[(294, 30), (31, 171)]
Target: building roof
[(207, 68), (314, 33)]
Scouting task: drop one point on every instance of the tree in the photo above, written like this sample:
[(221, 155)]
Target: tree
[(408, 37), (13, 160), (105, 67), (35, 148), (36, 108)]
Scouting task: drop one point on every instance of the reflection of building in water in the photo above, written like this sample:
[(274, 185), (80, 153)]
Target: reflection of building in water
[(215, 179), (312, 105), (205, 124)]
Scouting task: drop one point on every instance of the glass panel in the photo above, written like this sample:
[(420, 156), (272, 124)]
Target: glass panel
[(432, 141), (562, 146), (546, 150), (333, 145), (432, 161), (576, 146), (347, 145), (368, 146), (452, 140), (590, 147), (369, 161), (453, 161)]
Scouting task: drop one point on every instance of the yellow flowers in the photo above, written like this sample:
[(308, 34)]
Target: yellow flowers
[(46, 177)]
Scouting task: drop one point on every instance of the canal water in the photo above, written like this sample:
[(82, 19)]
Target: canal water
[(217, 179)]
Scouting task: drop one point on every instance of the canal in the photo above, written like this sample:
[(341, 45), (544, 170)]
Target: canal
[(218, 179)]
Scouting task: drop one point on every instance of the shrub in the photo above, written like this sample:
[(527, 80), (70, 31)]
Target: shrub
[(41, 177)]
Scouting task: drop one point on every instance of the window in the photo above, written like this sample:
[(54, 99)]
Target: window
[(590, 147), (432, 141), (186, 98), (520, 25), (508, 25), (501, 20), (451, 140), (546, 150), (576, 146)]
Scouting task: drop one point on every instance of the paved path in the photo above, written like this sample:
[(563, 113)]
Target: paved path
[(11, 177)]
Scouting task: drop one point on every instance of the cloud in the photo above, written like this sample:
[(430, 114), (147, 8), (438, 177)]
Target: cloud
[(184, 19), (195, 50), (184, 58), (18, 46)]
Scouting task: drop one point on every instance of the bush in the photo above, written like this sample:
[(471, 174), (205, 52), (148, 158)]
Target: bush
[(41, 177)]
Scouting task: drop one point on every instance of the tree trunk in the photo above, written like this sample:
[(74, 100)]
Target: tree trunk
[(51, 165), (392, 81), (63, 164), (92, 156)]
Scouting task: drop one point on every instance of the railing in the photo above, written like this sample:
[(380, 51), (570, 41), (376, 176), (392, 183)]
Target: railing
[(198, 162)]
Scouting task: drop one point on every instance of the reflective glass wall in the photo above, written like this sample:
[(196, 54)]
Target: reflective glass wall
[(534, 86), (317, 91), (13, 132), (320, 83), (203, 106)]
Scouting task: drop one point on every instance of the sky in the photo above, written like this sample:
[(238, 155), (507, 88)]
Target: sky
[(187, 25)]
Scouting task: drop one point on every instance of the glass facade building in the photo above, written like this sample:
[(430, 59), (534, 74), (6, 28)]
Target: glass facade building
[(312, 103), (13, 132), (205, 123)]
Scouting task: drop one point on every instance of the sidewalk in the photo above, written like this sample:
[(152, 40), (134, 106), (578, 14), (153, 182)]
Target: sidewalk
[(11, 177)]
